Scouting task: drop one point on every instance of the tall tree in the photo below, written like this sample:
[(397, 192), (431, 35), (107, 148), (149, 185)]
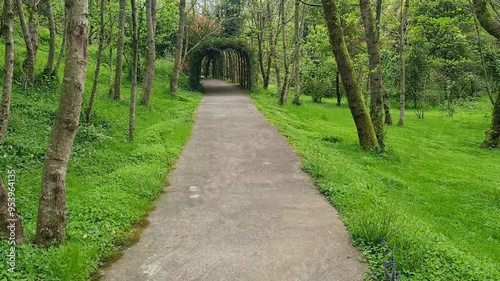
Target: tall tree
[(405, 5), (100, 51), (385, 94), (135, 59), (119, 54), (49, 12), (299, 33), (375, 70), (492, 25), (8, 69), (174, 82), (29, 63), (286, 67), (364, 126), (52, 210), (151, 57)]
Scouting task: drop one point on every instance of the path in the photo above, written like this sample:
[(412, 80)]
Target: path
[(239, 208)]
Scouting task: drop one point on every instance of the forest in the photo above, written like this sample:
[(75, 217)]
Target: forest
[(393, 107)]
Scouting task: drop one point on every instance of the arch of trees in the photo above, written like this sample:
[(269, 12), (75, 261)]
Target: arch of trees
[(223, 58)]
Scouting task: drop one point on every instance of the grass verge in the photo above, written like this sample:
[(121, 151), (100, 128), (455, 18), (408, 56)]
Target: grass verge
[(434, 195), (111, 183)]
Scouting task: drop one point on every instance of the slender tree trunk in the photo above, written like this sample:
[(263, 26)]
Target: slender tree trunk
[(492, 26), (63, 47), (375, 70), (110, 59), (174, 83), (337, 86), (364, 126), (286, 79), (11, 226), (299, 29), (385, 94), (483, 64), (135, 61), (52, 211), (405, 4), (48, 10), (150, 65), (8, 69), (100, 51), (33, 26), (119, 54), (29, 63)]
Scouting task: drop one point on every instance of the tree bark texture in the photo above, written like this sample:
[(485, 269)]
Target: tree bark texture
[(29, 63), (375, 70), (151, 57), (405, 5), (52, 211), (11, 226), (174, 83), (8, 69), (135, 59), (361, 116), (119, 54)]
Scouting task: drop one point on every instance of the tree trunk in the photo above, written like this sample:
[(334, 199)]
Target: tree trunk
[(119, 54), (63, 46), (33, 27), (337, 88), (8, 69), (52, 211), (29, 63), (150, 65), (174, 83), (405, 5), (492, 26), (375, 70), (364, 126), (135, 59), (483, 64), (52, 42), (299, 29), (11, 226), (286, 78), (102, 30)]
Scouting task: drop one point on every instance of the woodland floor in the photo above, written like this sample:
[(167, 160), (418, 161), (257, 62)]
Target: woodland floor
[(239, 207)]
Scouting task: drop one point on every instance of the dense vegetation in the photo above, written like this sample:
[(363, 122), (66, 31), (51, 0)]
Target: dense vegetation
[(423, 194)]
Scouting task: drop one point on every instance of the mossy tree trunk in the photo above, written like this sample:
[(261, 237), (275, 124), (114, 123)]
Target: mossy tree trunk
[(52, 210), (375, 70), (364, 126), (492, 26)]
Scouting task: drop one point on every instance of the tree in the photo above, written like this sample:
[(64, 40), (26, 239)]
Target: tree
[(119, 54), (151, 57), (364, 126), (405, 4), (174, 82), (492, 26), (100, 51), (29, 63), (52, 210), (375, 70), (299, 34), (8, 70), (285, 86), (135, 59), (48, 10)]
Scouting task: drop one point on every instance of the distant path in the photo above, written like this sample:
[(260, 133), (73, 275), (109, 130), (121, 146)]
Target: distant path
[(239, 208)]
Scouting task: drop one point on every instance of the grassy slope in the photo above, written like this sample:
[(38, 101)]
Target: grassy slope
[(111, 183), (435, 195)]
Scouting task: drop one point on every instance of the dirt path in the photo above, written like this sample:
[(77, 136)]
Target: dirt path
[(239, 208)]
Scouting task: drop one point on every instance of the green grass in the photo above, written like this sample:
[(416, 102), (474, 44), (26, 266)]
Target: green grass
[(434, 195), (111, 183)]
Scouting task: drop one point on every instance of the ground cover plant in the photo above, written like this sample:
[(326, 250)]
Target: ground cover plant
[(433, 196)]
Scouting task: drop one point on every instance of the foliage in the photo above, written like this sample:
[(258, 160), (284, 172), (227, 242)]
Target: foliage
[(111, 183), (436, 203)]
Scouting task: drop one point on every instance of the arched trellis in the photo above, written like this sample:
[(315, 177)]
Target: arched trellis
[(222, 58)]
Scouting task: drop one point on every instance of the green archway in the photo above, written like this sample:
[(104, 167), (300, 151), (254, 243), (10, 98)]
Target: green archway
[(222, 58)]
